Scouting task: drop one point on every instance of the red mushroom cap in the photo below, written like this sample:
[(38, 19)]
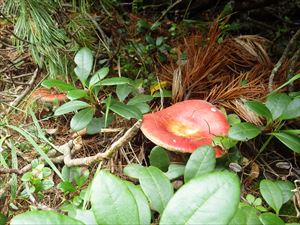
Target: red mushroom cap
[(185, 126)]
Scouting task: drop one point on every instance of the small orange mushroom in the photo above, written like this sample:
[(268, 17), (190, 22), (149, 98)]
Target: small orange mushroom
[(185, 126), (46, 95)]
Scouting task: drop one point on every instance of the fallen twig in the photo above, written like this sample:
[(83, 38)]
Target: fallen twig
[(291, 69), (282, 59), (86, 161)]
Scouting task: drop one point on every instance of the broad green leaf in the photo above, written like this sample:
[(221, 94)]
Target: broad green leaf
[(143, 107), (61, 85), (154, 183), (115, 81), (292, 111), (66, 186), (290, 140), (141, 202), (95, 125), (44, 217), (292, 224), (272, 194), (159, 158), (239, 218), (251, 216), (270, 219), (3, 219), (233, 119), (260, 109), (139, 99), (70, 107), (84, 62), (206, 200), (201, 161), (126, 111), (122, 91), (164, 94), (112, 201), (76, 94), (175, 171), (98, 76), (286, 188), (277, 103), (243, 131), (85, 216), (81, 119)]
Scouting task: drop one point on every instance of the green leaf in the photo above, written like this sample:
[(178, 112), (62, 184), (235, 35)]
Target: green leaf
[(44, 217), (84, 62), (277, 103), (272, 194), (243, 131), (292, 111), (98, 76), (286, 188), (154, 183), (260, 109), (140, 99), (209, 199), (201, 161), (270, 219), (76, 94), (112, 201), (289, 140), (165, 94), (81, 119), (86, 216), (159, 158), (66, 186), (3, 219), (60, 85), (95, 125), (251, 216), (126, 111), (159, 40), (175, 171), (115, 81), (239, 218), (143, 107), (122, 91), (141, 202), (70, 107), (233, 119)]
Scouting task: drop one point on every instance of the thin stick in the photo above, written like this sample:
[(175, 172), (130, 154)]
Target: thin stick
[(86, 161), (282, 59), (167, 10)]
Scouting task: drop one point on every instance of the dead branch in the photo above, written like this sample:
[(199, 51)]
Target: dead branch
[(86, 161), (291, 69), (282, 59)]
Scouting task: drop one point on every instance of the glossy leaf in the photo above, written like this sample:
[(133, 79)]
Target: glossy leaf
[(201, 161), (122, 91), (59, 84), (85, 216), (207, 200), (292, 111), (260, 109), (159, 158), (239, 218), (112, 201), (175, 171), (270, 219), (139, 99), (126, 111), (233, 119), (84, 62), (272, 194), (95, 125), (98, 76), (44, 217), (286, 188), (115, 81), (141, 202), (143, 107), (277, 103), (70, 107), (289, 140), (154, 183), (243, 131), (81, 119), (251, 216), (76, 94)]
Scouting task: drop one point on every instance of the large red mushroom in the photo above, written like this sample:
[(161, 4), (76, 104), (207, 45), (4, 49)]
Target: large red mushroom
[(185, 126)]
